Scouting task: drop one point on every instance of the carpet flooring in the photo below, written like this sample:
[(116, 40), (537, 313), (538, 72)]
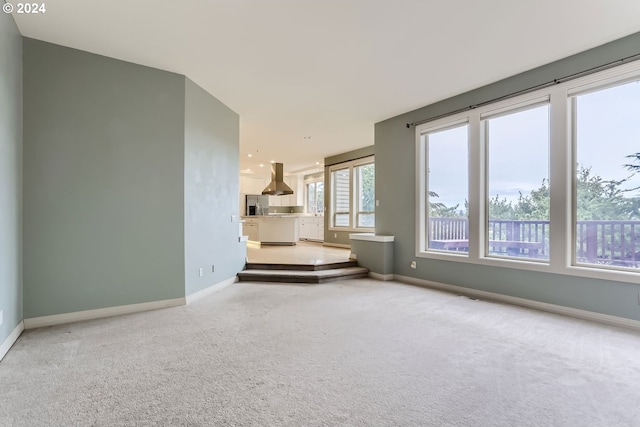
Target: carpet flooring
[(351, 353)]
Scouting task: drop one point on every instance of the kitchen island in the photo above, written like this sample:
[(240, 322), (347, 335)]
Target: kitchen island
[(272, 229)]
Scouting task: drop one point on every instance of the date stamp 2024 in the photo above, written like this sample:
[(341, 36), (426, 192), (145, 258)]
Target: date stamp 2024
[(25, 8)]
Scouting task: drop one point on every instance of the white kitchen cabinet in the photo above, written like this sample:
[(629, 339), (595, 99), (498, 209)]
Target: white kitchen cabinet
[(312, 228), (297, 198), (252, 184), (251, 228), (275, 201)]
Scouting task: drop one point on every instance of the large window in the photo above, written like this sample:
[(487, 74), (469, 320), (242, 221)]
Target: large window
[(353, 195), (607, 189), (365, 185), (546, 181), (315, 197), (518, 182), (447, 188)]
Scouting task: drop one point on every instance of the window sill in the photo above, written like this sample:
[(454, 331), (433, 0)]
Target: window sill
[(537, 266), (352, 230)]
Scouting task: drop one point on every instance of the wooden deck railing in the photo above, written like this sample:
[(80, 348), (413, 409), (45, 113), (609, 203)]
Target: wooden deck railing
[(597, 242)]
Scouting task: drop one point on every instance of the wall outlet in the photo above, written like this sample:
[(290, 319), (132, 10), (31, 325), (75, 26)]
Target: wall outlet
[(201, 272), (335, 235), (213, 268), (377, 202), (234, 218), (413, 264)]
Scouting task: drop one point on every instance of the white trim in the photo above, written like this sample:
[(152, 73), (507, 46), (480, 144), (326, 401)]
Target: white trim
[(561, 173), (11, 339), (99, 313), (523, 302), (190, 299), (370, 237), (353, 203), (243, 239), (378, 276)]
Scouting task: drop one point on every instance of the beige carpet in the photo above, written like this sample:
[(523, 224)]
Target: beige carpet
[(353, 353)]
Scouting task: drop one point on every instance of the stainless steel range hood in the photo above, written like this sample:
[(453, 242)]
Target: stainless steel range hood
[(277, 187)]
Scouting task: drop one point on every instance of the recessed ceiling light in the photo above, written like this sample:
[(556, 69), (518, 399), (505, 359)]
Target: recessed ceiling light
[(249, 155), (307, 138), (261, 165), (317, 163), (273, 161)]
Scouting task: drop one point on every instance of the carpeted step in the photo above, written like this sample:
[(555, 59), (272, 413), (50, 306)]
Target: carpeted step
[(300, 276), (300, 267)]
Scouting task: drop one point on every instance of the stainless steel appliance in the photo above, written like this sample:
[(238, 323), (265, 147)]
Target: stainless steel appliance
[(257, 205)]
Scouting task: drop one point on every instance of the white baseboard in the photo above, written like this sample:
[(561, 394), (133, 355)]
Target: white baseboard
[(543, 306), (77, 316), (11, 339), (379, 276), (210, 290), (336, 245)]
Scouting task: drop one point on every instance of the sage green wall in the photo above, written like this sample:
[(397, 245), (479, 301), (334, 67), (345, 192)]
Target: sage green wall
[(103, 181), (334, 236), (395, 188), (211, 190), (10, 175)]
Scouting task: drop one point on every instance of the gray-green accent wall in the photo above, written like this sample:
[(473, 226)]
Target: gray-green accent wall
[(131, 179), (336, 236), (395, 188), (10, 175), (103, 181), (211, 190)]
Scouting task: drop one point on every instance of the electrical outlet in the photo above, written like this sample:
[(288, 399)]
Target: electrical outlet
[(377, 202), (201, 272), (213, 268), (413, 264), (234, 218), (335, 235)]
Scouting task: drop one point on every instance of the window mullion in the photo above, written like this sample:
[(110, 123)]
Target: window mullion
[(476, 187), (560, 173)]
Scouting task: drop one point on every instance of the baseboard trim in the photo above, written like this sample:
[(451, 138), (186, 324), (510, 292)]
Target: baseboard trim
[(210, 290), (11, 339), (538, 305), (77, 316), (336, 245), (379, 276)]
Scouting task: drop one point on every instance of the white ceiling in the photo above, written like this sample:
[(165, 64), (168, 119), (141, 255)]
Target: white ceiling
[(330, 69)]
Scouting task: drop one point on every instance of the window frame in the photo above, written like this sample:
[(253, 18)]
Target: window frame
[(562, 177), (313, 181), (353, 194), (423, 166)]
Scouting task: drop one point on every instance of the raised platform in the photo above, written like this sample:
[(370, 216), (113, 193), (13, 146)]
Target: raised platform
[(302, 273)]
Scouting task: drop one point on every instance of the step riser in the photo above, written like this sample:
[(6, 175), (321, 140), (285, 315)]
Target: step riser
[(294, 279), (299, 267)]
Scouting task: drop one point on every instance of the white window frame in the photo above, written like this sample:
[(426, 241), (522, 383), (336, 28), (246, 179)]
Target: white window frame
[(353, 202), (561, 176), (306, 194)]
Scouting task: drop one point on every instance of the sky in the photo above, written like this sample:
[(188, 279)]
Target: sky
[(608, 129)]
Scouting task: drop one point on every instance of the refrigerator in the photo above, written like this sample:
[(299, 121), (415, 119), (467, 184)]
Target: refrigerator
[(256, 205)]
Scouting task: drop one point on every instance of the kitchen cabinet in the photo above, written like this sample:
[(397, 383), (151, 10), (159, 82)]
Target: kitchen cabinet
[(276, 201), (312, 228), (271, 229), (252, 184), (251, 228)]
